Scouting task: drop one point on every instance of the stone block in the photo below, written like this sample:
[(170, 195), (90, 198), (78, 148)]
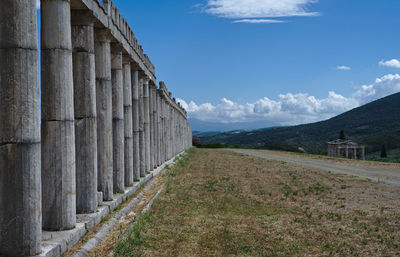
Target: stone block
[(84, 85), (20, 194), (57, 85), (58, 175), (19, 16), (20, 100)]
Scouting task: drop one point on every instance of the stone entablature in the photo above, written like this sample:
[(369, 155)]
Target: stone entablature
[(172, 101), (108, 16)]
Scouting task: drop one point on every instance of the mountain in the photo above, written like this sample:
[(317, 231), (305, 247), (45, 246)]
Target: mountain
[(372, 124), (205, 126)]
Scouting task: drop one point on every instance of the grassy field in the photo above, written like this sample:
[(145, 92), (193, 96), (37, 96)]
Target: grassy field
[(218, 203), (392, 156)]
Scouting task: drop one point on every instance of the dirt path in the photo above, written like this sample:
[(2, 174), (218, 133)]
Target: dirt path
[(390, 176)]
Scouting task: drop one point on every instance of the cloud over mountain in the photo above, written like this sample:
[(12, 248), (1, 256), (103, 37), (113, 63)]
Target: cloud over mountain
[(292, 108)]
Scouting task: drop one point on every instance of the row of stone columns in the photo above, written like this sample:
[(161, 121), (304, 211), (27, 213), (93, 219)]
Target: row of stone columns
[(104, 124)]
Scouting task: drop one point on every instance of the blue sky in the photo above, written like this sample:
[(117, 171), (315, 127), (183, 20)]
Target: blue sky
[(270, 62)]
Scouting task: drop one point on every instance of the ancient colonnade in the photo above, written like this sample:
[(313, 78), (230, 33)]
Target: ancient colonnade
[(97, 124)]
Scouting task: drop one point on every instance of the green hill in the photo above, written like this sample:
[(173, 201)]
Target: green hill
[(373, 124)]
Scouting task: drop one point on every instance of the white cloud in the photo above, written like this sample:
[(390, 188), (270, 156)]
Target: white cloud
[(384, 86), (38, 4), (292, 109), (342, 67), (252, 9), (257, 21), (394, 63)]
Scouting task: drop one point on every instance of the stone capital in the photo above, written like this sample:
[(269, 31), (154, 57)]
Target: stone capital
[(117, 48), (126, 59), (82, 18), (146, 79), (103, 35), (152, 85)]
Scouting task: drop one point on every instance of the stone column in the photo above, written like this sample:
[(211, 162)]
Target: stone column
[(175, 131), (146, 105), (118, 118), (159, 161), (165, 130), (155, 124), (153, 127), (151, 150), (58, 130), (142, 145), (104, 113), (128, 127), (20, 180), (169, 132), (85, 111), (135, 122)]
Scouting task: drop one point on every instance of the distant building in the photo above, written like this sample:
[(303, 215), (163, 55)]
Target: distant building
[(346, 149)]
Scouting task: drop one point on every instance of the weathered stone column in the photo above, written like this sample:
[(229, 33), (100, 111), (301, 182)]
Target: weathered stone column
[(174, 131), (20, 180), (135, 122), (166, 130), (128, 127), (58, 131), (146, 124), (142, 144), (85, 111), (118, 118), (155, 124), (159, 137), (104, 113), (165, 134), (169, 131), (151, 136)]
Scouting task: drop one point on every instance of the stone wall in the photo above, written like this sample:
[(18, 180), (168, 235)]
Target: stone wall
[(97, 125)]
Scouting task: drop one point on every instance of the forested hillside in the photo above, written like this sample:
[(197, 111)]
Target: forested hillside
[(373, 124)]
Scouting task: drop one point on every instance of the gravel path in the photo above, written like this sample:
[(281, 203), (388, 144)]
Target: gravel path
[(376, 174)]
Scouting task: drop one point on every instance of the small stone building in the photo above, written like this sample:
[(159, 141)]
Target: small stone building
[(346, 149)]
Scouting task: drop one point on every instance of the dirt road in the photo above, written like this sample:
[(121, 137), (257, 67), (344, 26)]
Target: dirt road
[(390, 176)]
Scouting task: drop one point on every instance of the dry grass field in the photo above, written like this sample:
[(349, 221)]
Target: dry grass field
[(219, 203)]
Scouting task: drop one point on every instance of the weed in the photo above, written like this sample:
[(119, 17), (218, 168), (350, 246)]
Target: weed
[(133, 240), (105, 219), (334, 216), (318, 188), (211, 186), (287, 190)]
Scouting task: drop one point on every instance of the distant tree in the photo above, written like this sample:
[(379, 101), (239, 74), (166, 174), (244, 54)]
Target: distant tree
[(342, 135), (196, 141), (383, 152)]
